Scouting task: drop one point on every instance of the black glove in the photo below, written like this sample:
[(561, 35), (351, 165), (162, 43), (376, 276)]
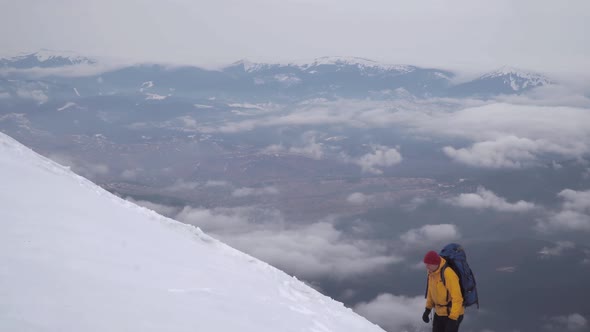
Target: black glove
[(425, 315), (451, 325)]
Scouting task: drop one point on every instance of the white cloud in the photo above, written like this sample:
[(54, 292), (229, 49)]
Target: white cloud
[(357, 198), (78, 70), (576, 200), (556, 165), (566, 220), (381, 156), (566, 92), (572, 322), (131, 174), (243, 192), (189, 123), (216, 183), (86, 169), (558, 250), (317, 250), (37, 95), (507, 135), (309, 148), (312, 150), (165, 210), (485, 199), (181, 185), (498, 134), (429, 234), (274, 149), (97, 169), (505, 152), (573, 216), (395, 313), (310, 251), (225, 220)]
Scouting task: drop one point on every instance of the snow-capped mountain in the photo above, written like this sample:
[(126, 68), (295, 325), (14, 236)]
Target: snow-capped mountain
[(506, 80), (45, 59), (77, 258), (339, 62), (339, 76), (518, 79), (325, 77)]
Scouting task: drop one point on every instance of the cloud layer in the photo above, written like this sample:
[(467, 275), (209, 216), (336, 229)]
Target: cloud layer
[(310, 147), (429, 235), (358, 198), (395, 313), (496, 134), (558, 250), (572, 322), (485, 199), (574, 214), (315, 250), (382, 156)]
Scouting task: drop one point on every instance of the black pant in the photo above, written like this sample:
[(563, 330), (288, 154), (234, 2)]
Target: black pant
[(439, 324)]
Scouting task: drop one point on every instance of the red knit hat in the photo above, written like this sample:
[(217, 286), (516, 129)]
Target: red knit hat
[(432, 258)]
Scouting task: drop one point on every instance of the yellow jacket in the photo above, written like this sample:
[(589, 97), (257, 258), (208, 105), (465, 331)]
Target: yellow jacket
[(440, 297)]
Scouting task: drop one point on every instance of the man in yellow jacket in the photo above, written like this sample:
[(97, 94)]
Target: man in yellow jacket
[(445, 298)]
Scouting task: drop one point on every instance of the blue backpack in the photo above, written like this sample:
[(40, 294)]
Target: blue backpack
[(457, 260)]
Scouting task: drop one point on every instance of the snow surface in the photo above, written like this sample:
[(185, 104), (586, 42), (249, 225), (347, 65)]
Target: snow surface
[(77, 258)]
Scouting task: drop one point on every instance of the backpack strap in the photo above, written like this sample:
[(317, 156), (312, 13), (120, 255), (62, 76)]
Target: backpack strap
[(442, 278), (442, 274)]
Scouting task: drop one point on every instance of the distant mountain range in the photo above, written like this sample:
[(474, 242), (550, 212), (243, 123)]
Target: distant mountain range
[(45, 59), (326, 77)]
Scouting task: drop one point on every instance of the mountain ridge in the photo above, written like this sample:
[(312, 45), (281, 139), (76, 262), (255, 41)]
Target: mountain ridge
[(333, 77)]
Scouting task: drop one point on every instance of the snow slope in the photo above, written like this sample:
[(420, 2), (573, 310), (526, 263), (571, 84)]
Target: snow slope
[(77, 258)]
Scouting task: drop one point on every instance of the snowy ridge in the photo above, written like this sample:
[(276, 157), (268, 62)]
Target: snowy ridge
[(250, 66), (516, 78), (354, 61), (47, 58), (305, 65), (508, 70), (44, 55), (77, 258)]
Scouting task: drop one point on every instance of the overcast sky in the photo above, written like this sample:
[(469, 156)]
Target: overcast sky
[(533, 34)]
